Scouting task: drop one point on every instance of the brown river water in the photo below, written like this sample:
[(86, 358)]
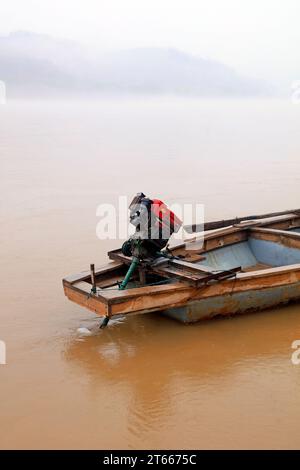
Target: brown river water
[(146, 381)]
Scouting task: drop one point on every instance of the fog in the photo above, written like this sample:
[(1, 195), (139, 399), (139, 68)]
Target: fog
[(203, 48), (34, 65)]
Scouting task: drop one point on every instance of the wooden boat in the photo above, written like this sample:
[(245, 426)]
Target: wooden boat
[(246, 264)]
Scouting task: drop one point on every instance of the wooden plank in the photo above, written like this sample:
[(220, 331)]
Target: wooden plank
[(193, 257), (256, 267), (80, 297), (288, 239), (273, 231), (117, 255), (145, 303), (211, 243), (85, 275), (269, 272), (227, 222), (194, 278), (173, 273), (283, 223), (116, 296), (196, 268)]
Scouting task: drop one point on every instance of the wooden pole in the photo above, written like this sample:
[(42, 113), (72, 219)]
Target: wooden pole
[(142, 275), (93, 278)]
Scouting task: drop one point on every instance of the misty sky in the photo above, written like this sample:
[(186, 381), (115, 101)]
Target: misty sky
[(259, 37)]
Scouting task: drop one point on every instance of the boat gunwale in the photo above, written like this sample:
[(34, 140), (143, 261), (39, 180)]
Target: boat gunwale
[(208, 234), (113, 296), (217, 289), (111, 266)]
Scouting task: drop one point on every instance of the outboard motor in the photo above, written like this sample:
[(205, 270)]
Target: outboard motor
[(154, 223)]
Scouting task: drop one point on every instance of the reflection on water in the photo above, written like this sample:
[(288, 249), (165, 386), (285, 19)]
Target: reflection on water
[(165, 366), (146, 381)]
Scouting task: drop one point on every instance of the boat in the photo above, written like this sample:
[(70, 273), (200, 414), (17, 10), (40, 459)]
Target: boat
[(243, 264)]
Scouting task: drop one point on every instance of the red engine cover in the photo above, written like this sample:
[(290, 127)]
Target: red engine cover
[(166, 217)]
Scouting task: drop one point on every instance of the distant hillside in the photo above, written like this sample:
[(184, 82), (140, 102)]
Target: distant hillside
[(38, 65)]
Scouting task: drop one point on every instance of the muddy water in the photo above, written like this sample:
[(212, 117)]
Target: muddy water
[(147, 381)]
